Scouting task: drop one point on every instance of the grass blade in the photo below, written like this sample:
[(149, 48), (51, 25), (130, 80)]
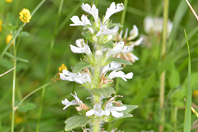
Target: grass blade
[(187, 121)]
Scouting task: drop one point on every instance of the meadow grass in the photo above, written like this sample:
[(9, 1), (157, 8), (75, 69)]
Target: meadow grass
[(32, 90)]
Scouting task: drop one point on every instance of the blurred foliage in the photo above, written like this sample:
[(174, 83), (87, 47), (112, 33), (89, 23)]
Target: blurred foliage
[(35, 49)]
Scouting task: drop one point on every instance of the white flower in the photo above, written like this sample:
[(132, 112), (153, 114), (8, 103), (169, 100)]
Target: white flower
[(111, 66), (96, 111), (91, 10), (82, 47), (77, 22), (67, 103), (155, 25), (121, 74), (109, 108), (113, 9), (116, 49), (77, 77), (76, 97), (105, 31)]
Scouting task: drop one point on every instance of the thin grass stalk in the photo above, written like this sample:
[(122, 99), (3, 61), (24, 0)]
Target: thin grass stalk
[(163, 75), (187, 119), (13, 89), (28, 95), (174, 110), (48, 63), (19, 30), (69, 111)]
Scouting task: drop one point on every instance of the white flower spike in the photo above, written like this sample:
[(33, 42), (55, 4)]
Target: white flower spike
[(113, 9)]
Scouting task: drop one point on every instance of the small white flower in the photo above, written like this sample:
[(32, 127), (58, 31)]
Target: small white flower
[(96, 111), (120, 74), (76, 97), (116, 49), (109, 108), (111, 66), (84, 21), (77, 77), (67, 103), (91, 10), (82, 47), (105, 31), (113, 9)]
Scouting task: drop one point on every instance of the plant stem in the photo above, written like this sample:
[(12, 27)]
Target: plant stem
[(163, 75), (48, 63), (13, 89), (124, 12), (96, 125)]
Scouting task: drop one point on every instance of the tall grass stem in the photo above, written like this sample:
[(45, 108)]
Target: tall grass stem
[(48, 63), (163, 75)]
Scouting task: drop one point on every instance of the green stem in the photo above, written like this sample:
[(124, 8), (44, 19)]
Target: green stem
[(48, 62), (13, 89), (163, 75), (37, 89), (96, 125), (124, 12)]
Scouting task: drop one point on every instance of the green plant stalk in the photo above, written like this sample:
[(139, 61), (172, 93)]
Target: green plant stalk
[(174, 110), (96, 125), (187, 119), (13, 89), (37, 89), (124, 12), (20, 28), (48, 63), (163, 75)]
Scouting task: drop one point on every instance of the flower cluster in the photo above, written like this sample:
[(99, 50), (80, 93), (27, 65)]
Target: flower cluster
[(9, 38), (100, 65), (155, 26), (25, 15), (8, 1), (129, 44)]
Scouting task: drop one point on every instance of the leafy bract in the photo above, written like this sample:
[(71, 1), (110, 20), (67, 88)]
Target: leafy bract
[(119, 60), (80, 65), (76, 121), (107, 91)]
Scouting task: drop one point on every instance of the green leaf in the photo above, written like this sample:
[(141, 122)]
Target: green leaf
[(146, 88), (107, 91), (9, 27), (87, 36), (17, 58), (174, 78), (80, 65), (76, 121), (108, 45), (26, 107), (119, 60), (24, 34)]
